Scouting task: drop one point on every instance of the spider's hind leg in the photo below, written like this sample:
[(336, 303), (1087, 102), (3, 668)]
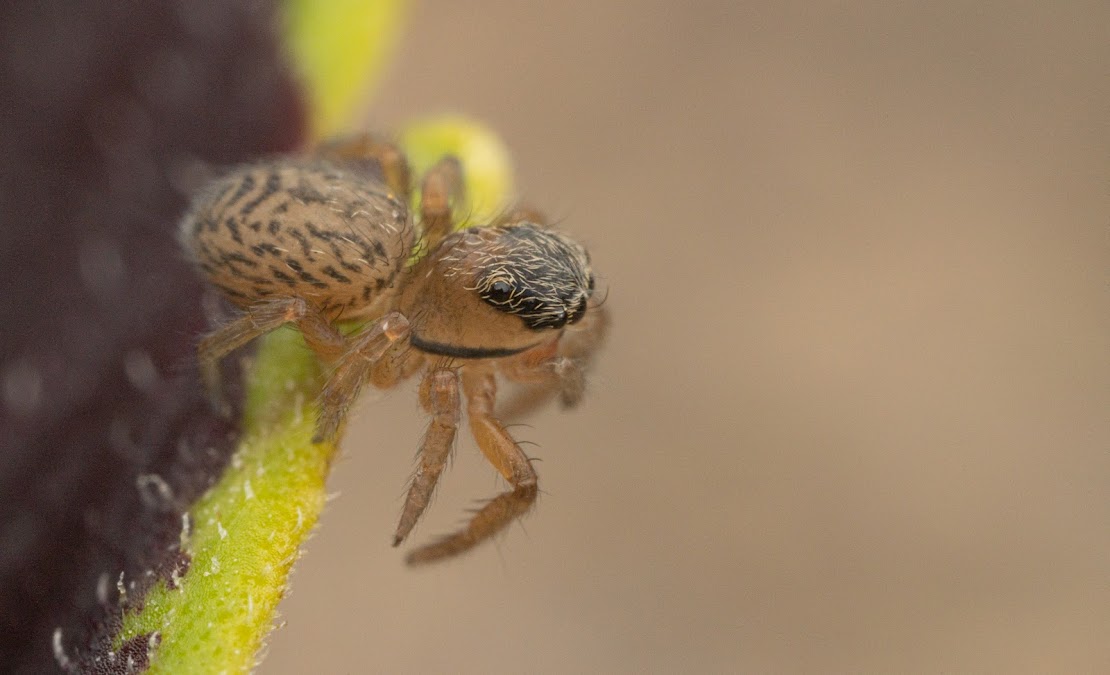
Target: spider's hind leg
[(257, 320), (441, 191), (364, 151)]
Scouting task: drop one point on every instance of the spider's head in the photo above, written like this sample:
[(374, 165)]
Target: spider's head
[(494, 291), (538, 275)]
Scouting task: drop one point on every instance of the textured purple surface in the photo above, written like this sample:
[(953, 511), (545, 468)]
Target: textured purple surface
[(106, 109)]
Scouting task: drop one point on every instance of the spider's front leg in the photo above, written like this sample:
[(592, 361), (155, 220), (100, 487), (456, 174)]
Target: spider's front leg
[(353, 368), (503, 452), (439, 396)]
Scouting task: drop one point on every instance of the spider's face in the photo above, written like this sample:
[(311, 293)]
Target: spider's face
[(538, 275), (495, 291)]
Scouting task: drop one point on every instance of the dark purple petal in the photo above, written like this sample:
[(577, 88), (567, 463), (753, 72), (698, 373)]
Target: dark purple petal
[(108, 113)]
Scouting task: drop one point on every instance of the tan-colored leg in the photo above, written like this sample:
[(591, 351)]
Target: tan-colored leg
[(556, 368), (493, 440), (503, 452), (359, 149), (439, 395), (257, 320), (399, 363), (487, 522), (441, 191), (353, 368)]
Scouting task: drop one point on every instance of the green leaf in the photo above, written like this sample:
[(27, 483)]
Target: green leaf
[(245, 534)]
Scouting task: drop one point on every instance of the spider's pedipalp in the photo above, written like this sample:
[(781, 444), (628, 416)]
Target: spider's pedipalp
[(556, 370)]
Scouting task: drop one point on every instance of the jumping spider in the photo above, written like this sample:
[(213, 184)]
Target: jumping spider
[(311, 241)]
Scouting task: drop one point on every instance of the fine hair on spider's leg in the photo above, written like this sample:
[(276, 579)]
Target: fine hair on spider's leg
[(439, 396), (502, 451), (398, 363), (491, 519), (261, 318), (352, 370)]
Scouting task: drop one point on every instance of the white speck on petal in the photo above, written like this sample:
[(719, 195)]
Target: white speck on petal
[(154, 491), (140, 370), (60, 656)]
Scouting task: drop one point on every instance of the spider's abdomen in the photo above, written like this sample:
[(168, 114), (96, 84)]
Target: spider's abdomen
[(291, 228)]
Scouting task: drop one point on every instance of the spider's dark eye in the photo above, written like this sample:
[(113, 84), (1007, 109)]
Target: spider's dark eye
[(590, 284), (499, 291)]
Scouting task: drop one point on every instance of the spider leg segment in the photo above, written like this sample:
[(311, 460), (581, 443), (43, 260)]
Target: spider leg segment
[(493, 440), (399, 362), (358, 149), (261, 318), (439, 395), (503, 452), (442, 189), (487, 522), (352, 370)]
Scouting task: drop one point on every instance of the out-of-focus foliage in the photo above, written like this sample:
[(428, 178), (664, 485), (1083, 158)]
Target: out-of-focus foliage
[(489, 176), (341, 48)]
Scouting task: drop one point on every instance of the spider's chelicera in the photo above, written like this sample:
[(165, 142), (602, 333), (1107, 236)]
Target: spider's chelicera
[(312, 240)]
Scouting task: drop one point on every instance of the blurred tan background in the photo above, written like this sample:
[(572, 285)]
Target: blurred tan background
[(853, 415)]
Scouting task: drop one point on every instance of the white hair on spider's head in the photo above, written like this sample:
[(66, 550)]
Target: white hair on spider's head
[(540, 275)]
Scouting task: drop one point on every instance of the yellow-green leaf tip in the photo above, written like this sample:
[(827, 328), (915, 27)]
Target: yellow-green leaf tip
[(487, 168), (340, 48)]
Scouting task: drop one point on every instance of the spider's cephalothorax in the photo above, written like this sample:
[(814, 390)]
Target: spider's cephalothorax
[(309, 241), (496, 291)]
